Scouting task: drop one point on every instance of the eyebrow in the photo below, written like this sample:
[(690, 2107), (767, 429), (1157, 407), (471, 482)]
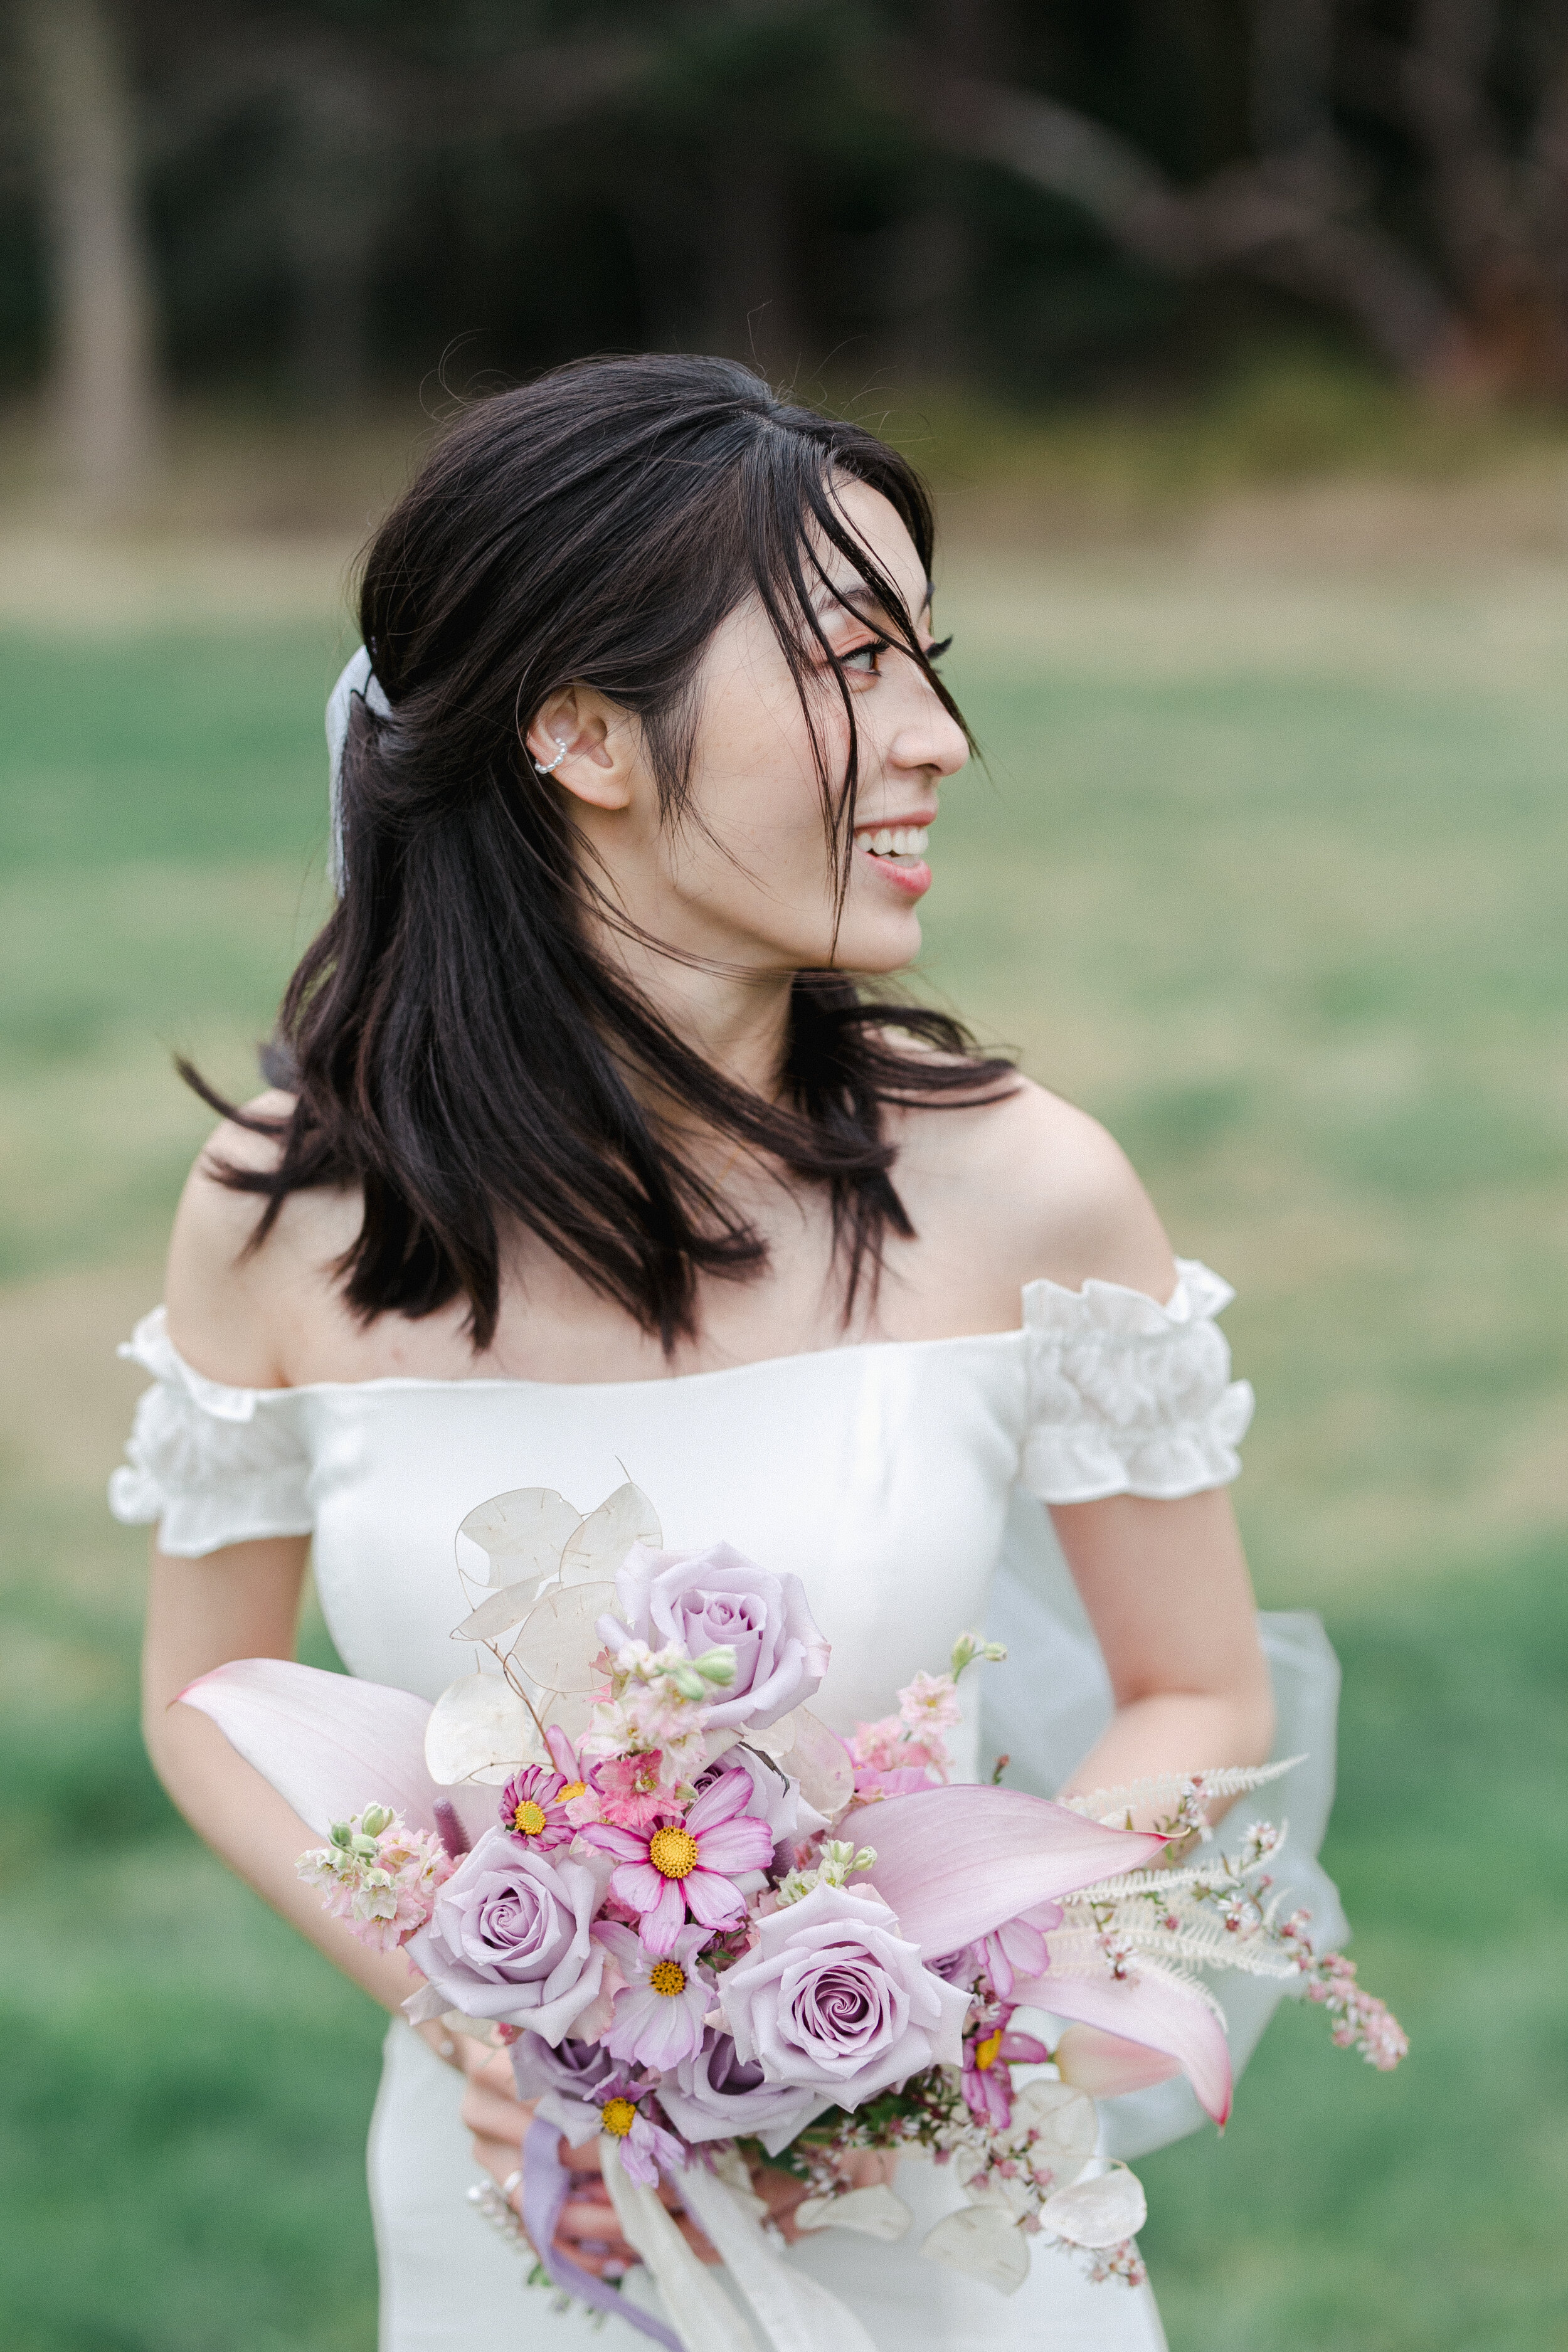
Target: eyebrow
[(861, 599)]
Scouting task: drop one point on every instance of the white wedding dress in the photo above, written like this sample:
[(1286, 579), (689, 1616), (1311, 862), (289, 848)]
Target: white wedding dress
[(897, 1481)]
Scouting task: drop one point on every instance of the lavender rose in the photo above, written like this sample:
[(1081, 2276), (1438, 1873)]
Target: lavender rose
[(574, 2068), (835, 2000), (704, 1599), (508, 1938), (718, 2095)]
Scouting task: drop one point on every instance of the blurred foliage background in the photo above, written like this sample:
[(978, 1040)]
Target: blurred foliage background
[(1232, 337)]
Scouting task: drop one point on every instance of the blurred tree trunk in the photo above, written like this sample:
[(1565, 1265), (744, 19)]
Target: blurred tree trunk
[(748, 250), (334, 204), (101, 284)]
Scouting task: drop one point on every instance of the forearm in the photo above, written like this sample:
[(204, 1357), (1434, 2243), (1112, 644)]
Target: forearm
[(1175, 1731), (1166, 1589)]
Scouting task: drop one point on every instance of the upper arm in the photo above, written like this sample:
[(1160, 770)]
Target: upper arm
[(240, 1602), (216, 1292), (1166, 1589)]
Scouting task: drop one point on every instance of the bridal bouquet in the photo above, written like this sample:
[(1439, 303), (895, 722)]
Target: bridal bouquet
[(714, 1934)]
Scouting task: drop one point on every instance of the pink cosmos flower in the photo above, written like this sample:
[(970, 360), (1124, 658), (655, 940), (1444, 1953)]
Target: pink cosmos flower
[(534, 1807), (656, 2019), (647, 2149), (687, 1864), (987, 2084)]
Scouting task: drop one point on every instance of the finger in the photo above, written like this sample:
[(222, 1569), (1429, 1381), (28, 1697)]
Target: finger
[(587, 2230), (486, 2110)]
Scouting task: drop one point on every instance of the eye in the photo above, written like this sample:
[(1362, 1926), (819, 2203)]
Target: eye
[(936, 653), (865, 659)]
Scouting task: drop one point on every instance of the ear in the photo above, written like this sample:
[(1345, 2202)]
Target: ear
[(584, 741)]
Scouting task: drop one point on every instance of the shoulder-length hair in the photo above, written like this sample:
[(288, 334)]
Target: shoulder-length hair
[(457, 1047)]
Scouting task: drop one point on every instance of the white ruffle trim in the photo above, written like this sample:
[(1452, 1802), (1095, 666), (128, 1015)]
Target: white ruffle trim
[(204, 1460), (1127, 1397)]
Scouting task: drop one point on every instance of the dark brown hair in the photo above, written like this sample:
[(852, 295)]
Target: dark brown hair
[(456, 1045)]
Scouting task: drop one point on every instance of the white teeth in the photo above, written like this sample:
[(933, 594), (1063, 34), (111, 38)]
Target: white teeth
[(898, 841)]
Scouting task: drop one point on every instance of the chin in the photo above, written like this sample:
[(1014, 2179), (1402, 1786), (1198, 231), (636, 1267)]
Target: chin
[(879, 944)]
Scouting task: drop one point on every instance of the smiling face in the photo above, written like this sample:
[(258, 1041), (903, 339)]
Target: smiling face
[(745, 876)]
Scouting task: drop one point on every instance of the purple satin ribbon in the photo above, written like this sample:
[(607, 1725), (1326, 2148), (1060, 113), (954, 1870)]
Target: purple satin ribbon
[(546, 2183)]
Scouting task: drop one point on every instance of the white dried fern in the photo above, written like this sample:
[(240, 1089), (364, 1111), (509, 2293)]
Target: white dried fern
[(1111, 1807)]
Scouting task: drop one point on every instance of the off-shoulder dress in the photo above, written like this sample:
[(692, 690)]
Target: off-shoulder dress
[(902, 1481)]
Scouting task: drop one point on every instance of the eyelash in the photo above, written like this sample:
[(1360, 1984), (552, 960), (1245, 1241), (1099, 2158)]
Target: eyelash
[(880, 645)]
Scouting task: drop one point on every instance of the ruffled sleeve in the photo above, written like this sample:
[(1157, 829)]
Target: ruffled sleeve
[(213, 1466), (1127, 1397)]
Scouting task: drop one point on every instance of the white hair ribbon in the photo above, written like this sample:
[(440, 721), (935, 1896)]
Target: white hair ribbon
[(358, 677)]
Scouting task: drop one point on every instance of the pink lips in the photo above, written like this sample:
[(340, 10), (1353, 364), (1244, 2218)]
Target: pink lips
[(911, 881)]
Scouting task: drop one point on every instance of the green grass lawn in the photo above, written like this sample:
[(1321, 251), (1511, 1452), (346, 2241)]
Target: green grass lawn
[(1264, 874)]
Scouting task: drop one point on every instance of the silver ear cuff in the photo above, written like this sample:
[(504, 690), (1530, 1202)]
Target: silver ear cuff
[(555, 763)]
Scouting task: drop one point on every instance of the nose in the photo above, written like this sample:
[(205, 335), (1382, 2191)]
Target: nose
[(928, 738)]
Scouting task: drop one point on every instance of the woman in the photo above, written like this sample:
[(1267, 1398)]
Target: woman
[(586, 1152)]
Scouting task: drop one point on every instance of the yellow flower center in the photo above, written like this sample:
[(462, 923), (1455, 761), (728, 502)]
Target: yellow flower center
[(573, 1789), (985, 2053), (529, 1818), (673, 1852), (668, 1977), (617, 2117)]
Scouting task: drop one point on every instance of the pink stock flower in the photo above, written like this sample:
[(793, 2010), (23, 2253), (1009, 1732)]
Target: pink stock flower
[(890, 1761), (687, 1864), (383, 1884), (882, 1745), (872, 1783), (656, 2019), (929, 1703)]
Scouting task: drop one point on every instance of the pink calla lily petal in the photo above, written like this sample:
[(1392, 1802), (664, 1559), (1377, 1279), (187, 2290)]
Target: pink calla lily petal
[(329, 1744), (1104, 2064), (954, 1863), (1151, 2009)]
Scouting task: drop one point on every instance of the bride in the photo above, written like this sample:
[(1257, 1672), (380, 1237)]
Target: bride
[(591, 1151)]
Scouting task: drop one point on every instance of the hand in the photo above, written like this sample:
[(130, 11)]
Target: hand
[(587, 2231), (783, 2194)]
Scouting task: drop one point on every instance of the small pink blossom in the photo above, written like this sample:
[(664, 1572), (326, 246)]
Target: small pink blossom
[(882, 1745), (629, 1791), (1360, 2021), (929, 1703)]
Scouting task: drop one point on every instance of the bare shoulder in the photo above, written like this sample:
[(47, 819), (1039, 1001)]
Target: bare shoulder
[(230, 1298), (1038, 1189)]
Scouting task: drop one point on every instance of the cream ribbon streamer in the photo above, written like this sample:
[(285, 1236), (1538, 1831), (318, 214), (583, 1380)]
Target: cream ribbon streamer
[(789, 2311)]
